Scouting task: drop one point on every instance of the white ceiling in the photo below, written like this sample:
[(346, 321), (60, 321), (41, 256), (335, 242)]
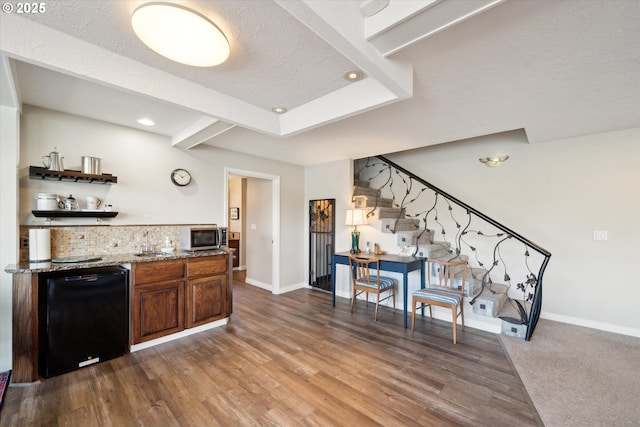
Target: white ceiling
[(435, 72)]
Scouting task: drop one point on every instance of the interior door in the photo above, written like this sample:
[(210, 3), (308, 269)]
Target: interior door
[(321, 242)]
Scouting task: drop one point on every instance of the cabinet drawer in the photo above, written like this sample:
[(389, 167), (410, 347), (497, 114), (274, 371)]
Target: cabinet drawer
[(206, 266), (158, 271)]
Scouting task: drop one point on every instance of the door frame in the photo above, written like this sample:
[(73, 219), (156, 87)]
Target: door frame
[(275, 217)]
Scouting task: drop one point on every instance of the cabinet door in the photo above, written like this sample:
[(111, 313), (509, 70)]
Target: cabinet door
[(158, 310), (206, 300)]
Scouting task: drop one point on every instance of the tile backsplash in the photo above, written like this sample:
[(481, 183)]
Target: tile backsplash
[(101, 240)]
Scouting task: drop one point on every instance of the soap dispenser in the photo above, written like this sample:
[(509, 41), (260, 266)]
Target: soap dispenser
[(168, 245)]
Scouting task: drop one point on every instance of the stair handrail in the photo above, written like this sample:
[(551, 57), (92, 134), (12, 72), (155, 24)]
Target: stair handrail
[(486, 218), (536, 304)]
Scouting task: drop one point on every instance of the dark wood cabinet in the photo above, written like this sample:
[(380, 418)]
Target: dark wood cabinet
[(158, 310), (205, 300), (157, 271), (235, 244), (157, 299), (207, 286), (25, 328), (169, 296)]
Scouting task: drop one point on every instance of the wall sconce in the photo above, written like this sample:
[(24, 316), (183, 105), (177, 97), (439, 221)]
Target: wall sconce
[(355, 217), (494, 162)]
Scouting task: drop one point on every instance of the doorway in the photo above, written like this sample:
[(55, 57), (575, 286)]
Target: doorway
[(321, 242), (259, 222)]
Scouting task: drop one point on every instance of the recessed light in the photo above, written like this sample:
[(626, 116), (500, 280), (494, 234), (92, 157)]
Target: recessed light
[(279, 110), (180, 34), (146, 122), (353, 76)]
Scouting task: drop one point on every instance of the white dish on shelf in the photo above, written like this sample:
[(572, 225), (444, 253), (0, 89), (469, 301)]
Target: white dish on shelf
[(92, 210), (167, 250)]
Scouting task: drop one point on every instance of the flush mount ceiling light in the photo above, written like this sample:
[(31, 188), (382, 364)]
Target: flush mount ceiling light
[(279, 110), (353, 76), (494, 162), (180, 34), (146, 122)]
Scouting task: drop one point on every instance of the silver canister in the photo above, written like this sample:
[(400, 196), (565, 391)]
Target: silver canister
[(91, 165), (87, 164), (95, 165)]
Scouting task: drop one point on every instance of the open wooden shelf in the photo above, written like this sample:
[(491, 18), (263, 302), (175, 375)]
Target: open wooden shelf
[(36, 172)]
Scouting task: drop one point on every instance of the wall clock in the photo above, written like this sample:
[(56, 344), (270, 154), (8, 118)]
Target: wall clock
[(180, 177)]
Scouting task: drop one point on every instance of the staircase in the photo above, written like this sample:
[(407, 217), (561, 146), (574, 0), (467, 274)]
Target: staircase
[(432, 224)]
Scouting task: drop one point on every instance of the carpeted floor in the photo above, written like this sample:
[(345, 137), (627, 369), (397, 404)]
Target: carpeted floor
[(579, 376)]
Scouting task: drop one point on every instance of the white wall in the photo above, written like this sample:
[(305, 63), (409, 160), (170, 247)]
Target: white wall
[(144, 193), (331, 181), (142, 162), (259, 234), (9, 158), (556, 194)]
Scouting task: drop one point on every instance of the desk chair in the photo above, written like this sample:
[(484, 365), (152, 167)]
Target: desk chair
[(365, 277), (442, 294)]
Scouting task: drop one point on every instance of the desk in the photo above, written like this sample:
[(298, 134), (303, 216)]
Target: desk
[(394, 263)]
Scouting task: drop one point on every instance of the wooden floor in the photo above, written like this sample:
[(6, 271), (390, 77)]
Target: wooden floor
[(291, 360)]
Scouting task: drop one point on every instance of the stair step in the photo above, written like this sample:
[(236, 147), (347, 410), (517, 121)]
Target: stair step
[(361, 183), (477, 273), (510, 310), (516, 331), (397, 225), (365, 191), (471, 285), (392, 213), (415, 238), (435, 250), (498, 288), (508, 328), (489, 304), (361, 202), (406, 238)]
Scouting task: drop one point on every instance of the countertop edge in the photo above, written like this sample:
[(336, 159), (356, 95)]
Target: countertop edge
[(108, 260)]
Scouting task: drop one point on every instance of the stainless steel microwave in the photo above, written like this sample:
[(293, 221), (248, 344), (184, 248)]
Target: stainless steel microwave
[(202, 237)]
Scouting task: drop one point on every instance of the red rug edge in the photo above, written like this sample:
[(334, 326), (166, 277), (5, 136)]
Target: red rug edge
[(5, 378)]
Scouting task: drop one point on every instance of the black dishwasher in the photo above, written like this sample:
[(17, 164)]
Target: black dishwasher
[(84, 318)]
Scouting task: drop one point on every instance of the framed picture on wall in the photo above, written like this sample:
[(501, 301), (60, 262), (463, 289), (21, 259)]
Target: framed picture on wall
[(234, 213)]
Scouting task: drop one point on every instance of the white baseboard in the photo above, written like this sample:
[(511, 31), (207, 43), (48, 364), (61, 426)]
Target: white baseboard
[(485, 326), (258, 284), (293, 287), (268, 287), (607, 327), (472, 320), (180, 334)]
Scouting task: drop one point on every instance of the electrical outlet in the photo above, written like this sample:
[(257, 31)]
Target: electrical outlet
[(24, 243), (600, 235)]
